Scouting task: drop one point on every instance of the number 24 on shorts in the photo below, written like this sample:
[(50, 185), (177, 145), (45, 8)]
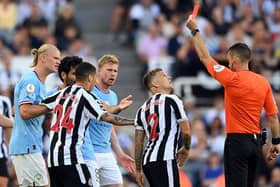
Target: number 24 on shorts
[(66, 121)]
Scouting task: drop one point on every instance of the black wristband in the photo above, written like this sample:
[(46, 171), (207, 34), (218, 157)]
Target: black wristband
[(275, 141), (194, 31)]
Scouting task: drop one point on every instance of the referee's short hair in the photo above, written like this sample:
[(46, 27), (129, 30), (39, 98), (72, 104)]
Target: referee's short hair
[(241, 50), (149, 76), (83, 70), (67, 63)]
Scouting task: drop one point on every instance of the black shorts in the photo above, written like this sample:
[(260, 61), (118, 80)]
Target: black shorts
[(72, 175), (162, 173), (242, 155), (3, 168)]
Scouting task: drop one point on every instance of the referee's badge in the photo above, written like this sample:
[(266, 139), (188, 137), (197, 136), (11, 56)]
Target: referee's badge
[(218, 68), (30, 88)]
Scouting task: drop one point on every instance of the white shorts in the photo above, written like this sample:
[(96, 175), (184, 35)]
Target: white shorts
[(108, 169), (92, 167), (30, 169)]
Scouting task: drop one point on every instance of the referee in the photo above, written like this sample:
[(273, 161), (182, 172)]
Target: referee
[(246, 94), (161, 118)]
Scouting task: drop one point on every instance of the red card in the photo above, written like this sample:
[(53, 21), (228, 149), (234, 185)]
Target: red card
[(195, 10)]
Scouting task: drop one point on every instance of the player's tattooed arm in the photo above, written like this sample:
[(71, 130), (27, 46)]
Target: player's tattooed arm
[(139, 139), (186, 138), (117, 120)]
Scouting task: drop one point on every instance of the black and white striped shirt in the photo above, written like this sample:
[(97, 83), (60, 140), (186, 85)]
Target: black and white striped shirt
[(6, 110), (159, 117), (73, 107)]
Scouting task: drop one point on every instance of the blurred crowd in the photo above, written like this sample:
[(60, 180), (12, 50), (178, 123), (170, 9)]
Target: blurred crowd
[(27, 24), (156, 30)]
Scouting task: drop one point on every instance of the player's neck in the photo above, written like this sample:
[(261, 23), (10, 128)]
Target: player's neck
[(102, 87), (42, 75), (83, 84), (162, 91), (241, 67)]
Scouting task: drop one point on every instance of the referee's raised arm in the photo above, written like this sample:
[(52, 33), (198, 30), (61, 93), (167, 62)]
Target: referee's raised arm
[(200, 47)]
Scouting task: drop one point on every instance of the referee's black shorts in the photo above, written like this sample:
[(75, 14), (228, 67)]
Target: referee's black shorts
[(242, 155), (162, 173), (71, 175), (3, 168)]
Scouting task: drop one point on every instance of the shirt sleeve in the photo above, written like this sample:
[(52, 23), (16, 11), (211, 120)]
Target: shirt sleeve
[(29, 88), (94, 106), (178, 108), (270, 104), (50, 101), (221, 73), (138, 122)]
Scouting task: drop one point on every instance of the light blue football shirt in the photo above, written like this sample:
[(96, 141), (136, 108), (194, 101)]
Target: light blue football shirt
[(27, 134), (54, 90), (99, 132)]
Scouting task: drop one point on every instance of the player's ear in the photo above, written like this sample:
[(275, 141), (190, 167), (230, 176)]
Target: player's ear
[(63, 76)]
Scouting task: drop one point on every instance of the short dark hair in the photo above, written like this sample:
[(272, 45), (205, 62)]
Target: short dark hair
[(241, 50), (83, 70), (67, 63), (148, 77)]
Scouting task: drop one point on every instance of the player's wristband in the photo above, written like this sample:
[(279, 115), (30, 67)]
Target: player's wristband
[(275, 141), (194, 31)]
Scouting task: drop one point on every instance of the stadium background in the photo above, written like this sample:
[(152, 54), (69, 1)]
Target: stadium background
[(145, 38)]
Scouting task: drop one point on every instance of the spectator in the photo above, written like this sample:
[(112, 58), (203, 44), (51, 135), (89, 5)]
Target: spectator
[(213, 170), (119, 16), (198, 153), (274, 24), (218, 110), (142, 15), (217, 18), (151, 46), (8, 18), (65, 20), (275, 177), (9, 76), (34, 24)]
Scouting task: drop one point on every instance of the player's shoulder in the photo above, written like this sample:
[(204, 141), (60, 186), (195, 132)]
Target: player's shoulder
[(172, 96), (29, 78), (260, 79)]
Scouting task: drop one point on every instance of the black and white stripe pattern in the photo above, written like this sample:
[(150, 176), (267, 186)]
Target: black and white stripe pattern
[(159, 117), (6, 110), (73, 108)]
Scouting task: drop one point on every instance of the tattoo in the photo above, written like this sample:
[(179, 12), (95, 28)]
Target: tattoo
[(117, 120), (139, 139), (186, 141)]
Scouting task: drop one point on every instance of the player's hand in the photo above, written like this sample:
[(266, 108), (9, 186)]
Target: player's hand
[(127, 163), (191, 23), (105, 105), (139, 178), (182, 156), (274, 152), (125, 102)]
